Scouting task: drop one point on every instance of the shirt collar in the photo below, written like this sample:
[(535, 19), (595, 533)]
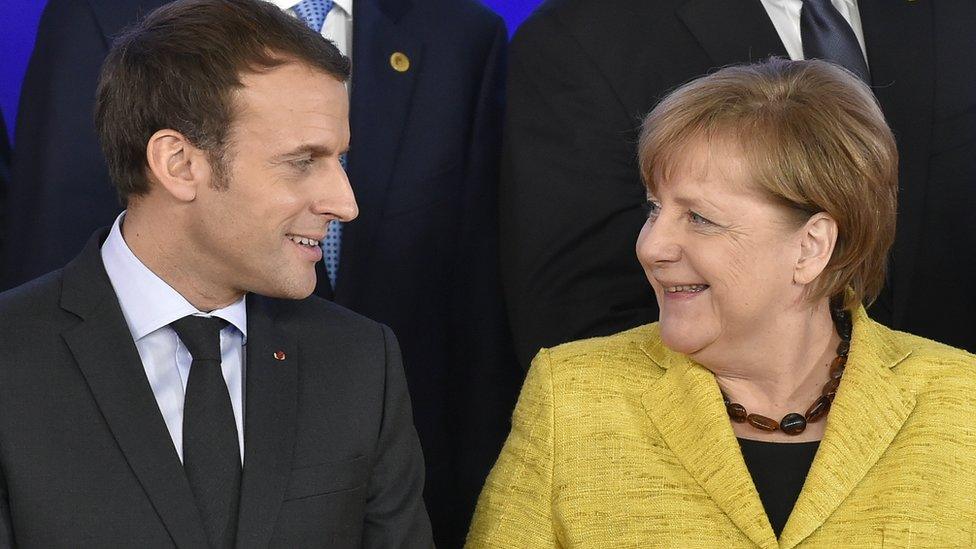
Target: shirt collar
[(286, 5), (148, 303)]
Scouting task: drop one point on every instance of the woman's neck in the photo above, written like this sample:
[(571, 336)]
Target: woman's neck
[(781, 370)]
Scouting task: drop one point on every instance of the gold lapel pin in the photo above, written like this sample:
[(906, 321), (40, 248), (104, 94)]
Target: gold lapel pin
[(399, 61), (279, 355)]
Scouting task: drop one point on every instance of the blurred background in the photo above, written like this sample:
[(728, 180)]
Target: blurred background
[(18, 25)]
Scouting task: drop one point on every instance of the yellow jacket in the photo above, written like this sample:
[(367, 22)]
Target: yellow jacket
[(619, 442)]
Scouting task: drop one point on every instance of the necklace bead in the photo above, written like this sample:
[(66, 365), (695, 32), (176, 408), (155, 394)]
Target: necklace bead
[(762, 422), (794, 423)]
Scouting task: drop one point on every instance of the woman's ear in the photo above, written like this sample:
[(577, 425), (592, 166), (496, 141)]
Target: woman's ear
[(178, 166), (817, 240)]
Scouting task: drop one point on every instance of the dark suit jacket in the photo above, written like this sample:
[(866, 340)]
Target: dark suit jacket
[(330, 455), (422, 256), (4, 180), (582, 76)]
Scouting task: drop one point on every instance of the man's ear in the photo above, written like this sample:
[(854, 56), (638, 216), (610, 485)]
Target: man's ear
[(179, 167), (818, 236)]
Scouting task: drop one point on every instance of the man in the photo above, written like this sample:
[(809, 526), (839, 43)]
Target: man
[(172, 386), (421, 258), (583, 75)]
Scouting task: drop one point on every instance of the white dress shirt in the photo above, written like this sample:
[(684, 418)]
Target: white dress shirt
[(149, 305), (337, 26), (785, 15)]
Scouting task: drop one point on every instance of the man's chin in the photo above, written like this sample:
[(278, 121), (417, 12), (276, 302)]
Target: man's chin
[(295, 289)]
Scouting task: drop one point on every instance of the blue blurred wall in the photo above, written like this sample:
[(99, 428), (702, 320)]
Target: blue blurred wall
[(18, 24)]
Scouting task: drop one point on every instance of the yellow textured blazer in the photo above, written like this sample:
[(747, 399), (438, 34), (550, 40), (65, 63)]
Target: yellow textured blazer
[(619, 442)]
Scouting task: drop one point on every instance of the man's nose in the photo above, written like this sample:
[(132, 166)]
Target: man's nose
[(335, 196)]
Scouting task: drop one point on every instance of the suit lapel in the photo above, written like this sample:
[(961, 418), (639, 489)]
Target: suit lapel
[(732, 31), (899, 39), (686, 407), (270, 405), (379, 106), (103, 347), (870, 409)]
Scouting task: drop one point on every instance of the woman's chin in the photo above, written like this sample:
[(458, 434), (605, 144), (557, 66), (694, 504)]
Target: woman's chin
[(681, 339)]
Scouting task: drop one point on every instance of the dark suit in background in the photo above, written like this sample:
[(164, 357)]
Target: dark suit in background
[(421, 257), (582, 76), (330, 457), (4, 180)]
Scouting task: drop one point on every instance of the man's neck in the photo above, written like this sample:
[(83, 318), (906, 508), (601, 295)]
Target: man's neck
[(174, 264)]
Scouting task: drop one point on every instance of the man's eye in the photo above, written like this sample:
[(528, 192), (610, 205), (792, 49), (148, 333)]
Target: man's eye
[(303, 163), (698, 220)]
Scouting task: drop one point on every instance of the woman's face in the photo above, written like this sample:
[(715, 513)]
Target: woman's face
[(719, 255)]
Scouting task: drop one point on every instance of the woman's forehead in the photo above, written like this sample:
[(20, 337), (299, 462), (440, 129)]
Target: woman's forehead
[(703, 164)]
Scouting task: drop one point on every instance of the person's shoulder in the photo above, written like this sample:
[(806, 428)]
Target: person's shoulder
[(932, 365), (627, 355), (927, 354), (313, 315), (30, 299)]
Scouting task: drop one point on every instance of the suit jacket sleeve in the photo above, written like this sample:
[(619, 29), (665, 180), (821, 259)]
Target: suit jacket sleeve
[(571, 196), (515, 508), (395, 512), (60, 191)]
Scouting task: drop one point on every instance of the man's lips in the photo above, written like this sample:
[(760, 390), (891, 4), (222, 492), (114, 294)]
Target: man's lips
[(309, 248), (305, 240)]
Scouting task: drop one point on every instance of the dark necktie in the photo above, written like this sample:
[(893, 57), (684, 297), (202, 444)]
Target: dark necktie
[(827, 35), (211, 452)]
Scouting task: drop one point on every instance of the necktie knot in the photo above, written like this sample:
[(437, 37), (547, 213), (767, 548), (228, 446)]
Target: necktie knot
[(200, 335), (313, 12)]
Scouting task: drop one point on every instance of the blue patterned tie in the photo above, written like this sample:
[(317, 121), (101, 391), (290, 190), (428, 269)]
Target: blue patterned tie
[(827, 35), (313, 12), (332, 244)]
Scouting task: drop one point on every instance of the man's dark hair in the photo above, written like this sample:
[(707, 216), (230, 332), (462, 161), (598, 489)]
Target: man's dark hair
[(178, 68)]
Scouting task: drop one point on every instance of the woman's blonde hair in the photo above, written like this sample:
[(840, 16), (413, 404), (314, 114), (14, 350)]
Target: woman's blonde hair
[(812, 137)]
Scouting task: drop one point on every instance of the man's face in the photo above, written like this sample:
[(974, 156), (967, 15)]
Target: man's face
[(258, 228)]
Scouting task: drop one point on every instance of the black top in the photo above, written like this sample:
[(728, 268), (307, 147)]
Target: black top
[(778, 470)]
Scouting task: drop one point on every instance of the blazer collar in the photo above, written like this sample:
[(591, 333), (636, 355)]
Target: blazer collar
[(871, 406), (107, 357)]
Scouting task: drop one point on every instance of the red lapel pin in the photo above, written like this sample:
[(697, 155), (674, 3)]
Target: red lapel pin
[(279, 355)]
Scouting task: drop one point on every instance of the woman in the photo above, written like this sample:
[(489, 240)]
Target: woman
[(765, 408)]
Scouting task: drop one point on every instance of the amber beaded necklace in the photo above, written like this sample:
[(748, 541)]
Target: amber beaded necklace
[(794, 423)]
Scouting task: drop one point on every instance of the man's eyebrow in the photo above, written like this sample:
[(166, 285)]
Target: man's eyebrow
[(303, 150)]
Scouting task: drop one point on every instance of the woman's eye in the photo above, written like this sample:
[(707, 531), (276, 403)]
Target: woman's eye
[(697, 219), (652, 209)]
